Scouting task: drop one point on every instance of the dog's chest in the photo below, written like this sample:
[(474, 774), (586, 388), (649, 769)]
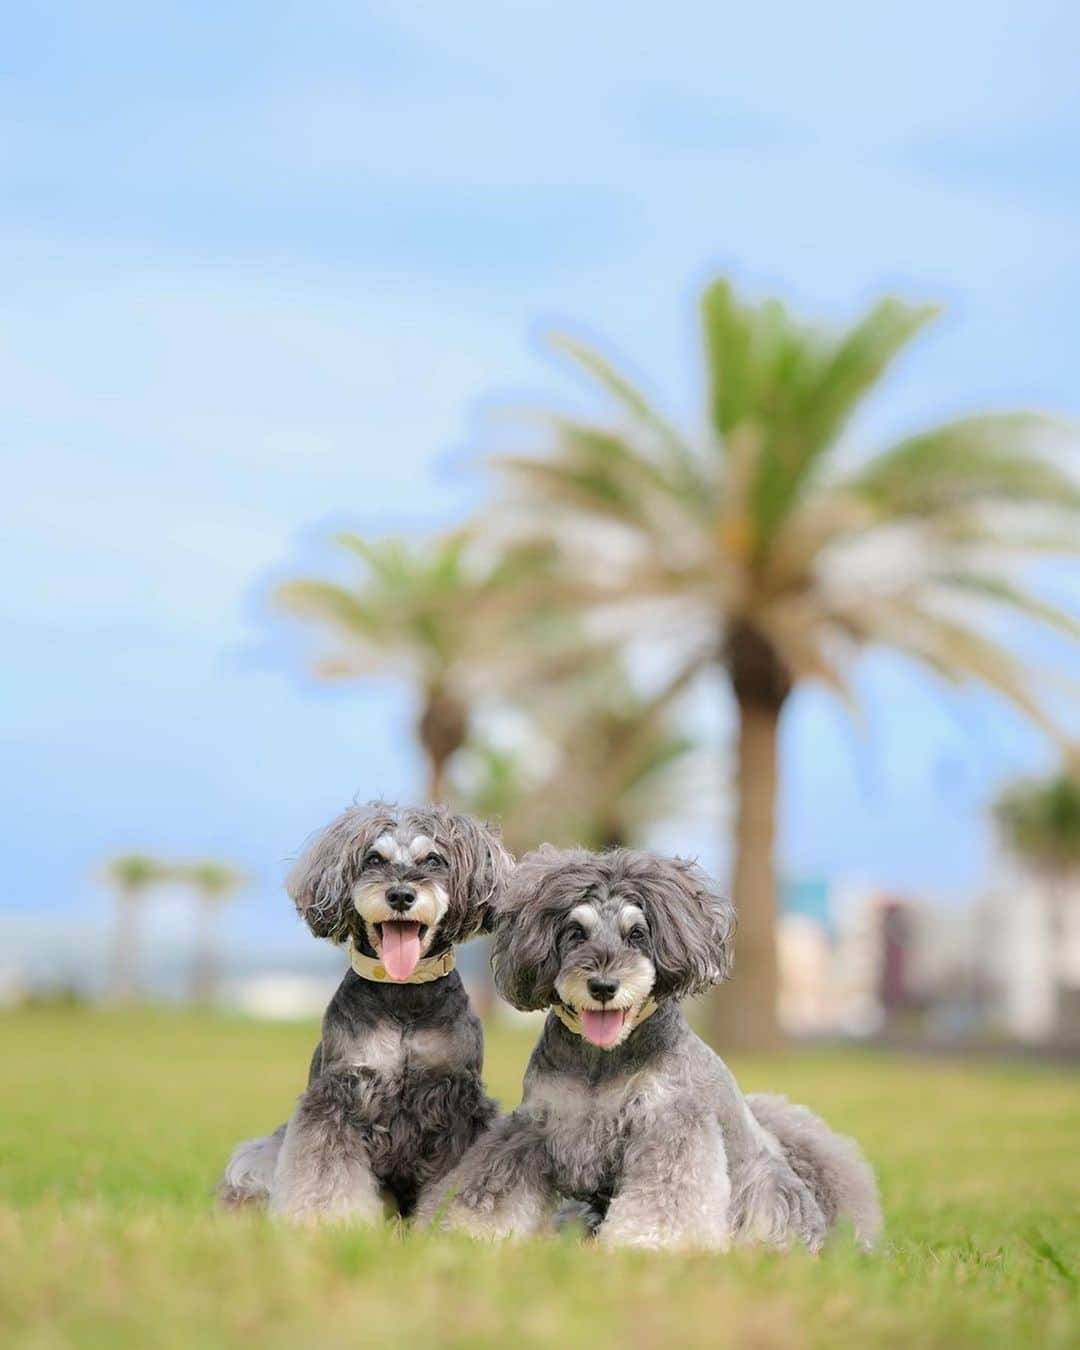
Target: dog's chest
[(388, 1050), (588, 1127)]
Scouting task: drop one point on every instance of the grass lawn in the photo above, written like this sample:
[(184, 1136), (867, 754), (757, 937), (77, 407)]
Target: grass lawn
[(113, 1128)]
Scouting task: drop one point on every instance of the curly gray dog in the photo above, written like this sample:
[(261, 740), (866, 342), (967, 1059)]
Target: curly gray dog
[(625, 1110), (394, 1095)]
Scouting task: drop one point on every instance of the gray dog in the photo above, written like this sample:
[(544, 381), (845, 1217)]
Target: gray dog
[(394, 1095), (625, 1110)]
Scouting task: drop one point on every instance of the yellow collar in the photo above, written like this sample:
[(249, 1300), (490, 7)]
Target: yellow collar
[(571, 1018), (428, 968)]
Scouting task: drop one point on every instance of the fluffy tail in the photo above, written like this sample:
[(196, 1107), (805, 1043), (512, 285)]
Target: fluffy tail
[(832, 1165), (250, 1172)]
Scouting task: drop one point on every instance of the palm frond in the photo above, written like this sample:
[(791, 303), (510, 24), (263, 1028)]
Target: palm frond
[(986, 459), (388, 559), (1002, 592), (728, 336), (626, 393), (856, 363), (135, 872), (796, 385), (596, 470), (329, 601), (215, 880), (955, 652), (839, 372), (804, 649)]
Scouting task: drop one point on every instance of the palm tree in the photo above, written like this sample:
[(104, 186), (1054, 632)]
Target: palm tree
[(130, 876), (619, 753), (1041, 822), (493, 782), (214, 883), (448, 616), (611, 752), (762, 549)]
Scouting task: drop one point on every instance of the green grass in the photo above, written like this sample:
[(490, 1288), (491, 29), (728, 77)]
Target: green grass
[(113, 1128)]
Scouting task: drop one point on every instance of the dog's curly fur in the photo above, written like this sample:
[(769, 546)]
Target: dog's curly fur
[(394, 1095), (648, 1134)]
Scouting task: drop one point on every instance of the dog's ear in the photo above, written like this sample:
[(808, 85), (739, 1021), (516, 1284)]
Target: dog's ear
[(320, 883), (692, 925), (480, 865), (525, 954)]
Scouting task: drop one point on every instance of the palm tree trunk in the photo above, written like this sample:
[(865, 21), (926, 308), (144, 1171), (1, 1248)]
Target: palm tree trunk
[(442, 729), (611, 835), (744, 1012), (204, 965), (121, 986), (436, 787)]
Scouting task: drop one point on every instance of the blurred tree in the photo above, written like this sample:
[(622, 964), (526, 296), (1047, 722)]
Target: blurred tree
[(616, 774), (1040, 822), (214, 884), (760, 539), (611, 756), (494, 783), (454, 617), (131, 875)]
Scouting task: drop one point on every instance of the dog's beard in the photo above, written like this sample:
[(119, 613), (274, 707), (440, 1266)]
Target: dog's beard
[(609, 1024), (401, 940)]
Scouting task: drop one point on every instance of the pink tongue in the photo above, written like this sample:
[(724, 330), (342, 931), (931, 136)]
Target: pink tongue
[(602, 1028), (400, 949)]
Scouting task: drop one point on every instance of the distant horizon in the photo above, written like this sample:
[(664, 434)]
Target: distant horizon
[(260, 936)]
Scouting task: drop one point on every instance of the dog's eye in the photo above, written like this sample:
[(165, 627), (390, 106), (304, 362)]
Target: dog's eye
[(434, 860), (574, 932), (373, 858), (638, 936)]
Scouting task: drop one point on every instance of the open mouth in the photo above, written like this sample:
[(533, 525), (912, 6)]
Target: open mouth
[(602, 1026), (399, 944)]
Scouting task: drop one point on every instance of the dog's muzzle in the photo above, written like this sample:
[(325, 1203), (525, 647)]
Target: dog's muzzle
[(401, 919)]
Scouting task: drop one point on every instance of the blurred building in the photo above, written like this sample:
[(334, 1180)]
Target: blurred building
[(859, 962), (805, 952), (1030, 936)]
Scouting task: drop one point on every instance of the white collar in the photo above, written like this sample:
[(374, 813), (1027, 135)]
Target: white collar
[(571, 1018), (428, 968)]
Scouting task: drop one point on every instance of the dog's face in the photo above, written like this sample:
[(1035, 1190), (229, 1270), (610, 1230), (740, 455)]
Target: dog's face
[(400, 882), (602, 933), (402, 895), (606, 967)]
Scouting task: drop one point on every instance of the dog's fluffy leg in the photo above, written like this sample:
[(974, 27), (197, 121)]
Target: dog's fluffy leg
[(502, 1188), (250, 1172), (831, 1165), (322, 1170), (771, 1203), (674, 1191)]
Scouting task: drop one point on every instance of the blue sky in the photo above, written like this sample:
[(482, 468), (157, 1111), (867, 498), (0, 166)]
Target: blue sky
[(265, 266)]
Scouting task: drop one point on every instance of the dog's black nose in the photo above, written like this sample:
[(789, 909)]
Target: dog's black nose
[(601, 987), (400, 898)]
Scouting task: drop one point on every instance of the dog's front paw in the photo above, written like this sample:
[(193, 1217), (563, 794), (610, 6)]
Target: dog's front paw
[(772, 1204)]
